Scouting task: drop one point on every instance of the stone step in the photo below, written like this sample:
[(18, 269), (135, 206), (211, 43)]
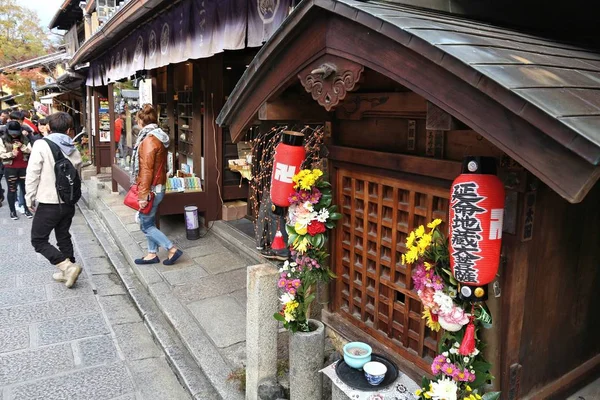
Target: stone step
[(195, 341)]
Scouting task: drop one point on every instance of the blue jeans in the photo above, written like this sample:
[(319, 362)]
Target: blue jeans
[(155, 237)]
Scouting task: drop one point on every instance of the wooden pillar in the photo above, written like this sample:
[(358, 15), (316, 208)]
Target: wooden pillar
[(96, 126), (213, 134), (514, 287)]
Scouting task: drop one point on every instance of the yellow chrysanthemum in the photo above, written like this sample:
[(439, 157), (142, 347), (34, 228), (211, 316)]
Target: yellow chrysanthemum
[(468, 388), (433, 224), (431, 324), (418, 392), (288, 313), (301, 245), (317, 173), (427, 265), (410, 240), (420, 231)]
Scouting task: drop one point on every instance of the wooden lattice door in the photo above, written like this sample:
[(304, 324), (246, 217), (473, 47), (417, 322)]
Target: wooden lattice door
[(374, 290)]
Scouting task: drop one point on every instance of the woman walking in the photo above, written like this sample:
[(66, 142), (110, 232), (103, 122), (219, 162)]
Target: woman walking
[(149, 161), (14, 152)]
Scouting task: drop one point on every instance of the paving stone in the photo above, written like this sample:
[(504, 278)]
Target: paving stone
[(8, 282), (184, 275), (235, 355), (30, 313), (71, 328), (206, 246), (19, 296), (58, 290), (136, 342), (221, 262), (39, 278), (97, 265), (156, 380), (212, 286), (104, 382), (119, 309), (222, 318), (97, 350), (241, 296), (91, 250), (14, 338), (22, 366), (108, 285), (13, 264)]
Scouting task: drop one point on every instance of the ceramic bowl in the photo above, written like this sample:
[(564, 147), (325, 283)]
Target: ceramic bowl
[(374, 372), (357, 360)]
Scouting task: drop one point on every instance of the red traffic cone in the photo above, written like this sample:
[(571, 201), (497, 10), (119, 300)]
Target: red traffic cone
[(467, 347), (278, 243)]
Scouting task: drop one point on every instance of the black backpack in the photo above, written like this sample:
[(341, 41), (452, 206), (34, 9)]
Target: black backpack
[(68, 183)]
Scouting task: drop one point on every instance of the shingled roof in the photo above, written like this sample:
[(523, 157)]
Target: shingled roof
[(533, 97)]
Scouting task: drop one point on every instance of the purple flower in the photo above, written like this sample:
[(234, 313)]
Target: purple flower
[(304, 196), (294, 198), (315, 196)]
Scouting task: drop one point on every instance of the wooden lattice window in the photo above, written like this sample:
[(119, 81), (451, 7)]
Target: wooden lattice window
[(374, 290)]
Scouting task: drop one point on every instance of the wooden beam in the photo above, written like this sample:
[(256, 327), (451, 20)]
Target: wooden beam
[(566, 383), (441, 169), (292, 107), (360, 105), (438, 119)]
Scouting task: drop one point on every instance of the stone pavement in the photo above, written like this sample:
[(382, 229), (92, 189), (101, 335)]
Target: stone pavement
[(88, 342), (203, 296)]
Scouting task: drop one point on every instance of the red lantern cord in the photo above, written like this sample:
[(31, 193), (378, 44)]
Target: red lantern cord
[(467, 347)]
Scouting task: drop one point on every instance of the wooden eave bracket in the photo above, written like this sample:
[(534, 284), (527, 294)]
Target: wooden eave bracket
[(330, 78)]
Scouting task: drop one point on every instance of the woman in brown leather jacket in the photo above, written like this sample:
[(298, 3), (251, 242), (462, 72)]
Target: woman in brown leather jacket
[(149, 161)]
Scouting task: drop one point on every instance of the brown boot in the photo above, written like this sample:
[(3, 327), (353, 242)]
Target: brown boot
[(60, 275)]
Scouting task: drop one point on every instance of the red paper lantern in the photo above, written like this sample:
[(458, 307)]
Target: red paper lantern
[(475, 238), (289, 155)]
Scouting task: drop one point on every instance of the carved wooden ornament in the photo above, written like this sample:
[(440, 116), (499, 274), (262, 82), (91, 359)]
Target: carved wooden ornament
[(331, 80)]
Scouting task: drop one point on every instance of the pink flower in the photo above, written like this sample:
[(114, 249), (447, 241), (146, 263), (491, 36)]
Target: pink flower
[(426, 296), (449, 369), (438, 282), (292, 291), (296, 283), (437, 364), (315, 196), (294, 198), (281, 283), (454, 320)]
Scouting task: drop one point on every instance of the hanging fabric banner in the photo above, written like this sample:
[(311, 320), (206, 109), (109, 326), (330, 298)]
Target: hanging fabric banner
[(264, 18), (190, 30)]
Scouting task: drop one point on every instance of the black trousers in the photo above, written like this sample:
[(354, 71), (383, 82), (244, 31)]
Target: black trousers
[(14, 177), (57, 218), (1, 188)]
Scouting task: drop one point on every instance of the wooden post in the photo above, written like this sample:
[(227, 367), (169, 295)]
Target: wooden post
[(111, 113), (213, 134)]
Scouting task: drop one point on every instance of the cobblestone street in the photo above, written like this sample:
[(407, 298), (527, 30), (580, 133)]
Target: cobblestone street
[(85, 343)]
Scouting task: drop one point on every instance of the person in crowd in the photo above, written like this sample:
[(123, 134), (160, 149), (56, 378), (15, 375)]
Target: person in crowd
[(42, 198), (28, 133), (25, 115), (43, 127), (119, 127), (14, 152), (4, 117), (149, 161)]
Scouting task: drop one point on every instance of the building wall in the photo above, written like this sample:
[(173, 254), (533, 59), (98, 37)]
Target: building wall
[(562, 324)]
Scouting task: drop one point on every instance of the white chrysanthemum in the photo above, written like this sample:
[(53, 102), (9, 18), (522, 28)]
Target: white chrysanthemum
[(323, 215), (308, 205), (444, 389), (286, 298), (444, 301)]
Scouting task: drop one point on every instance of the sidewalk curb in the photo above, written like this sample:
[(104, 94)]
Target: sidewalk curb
[(197, 343), (185, 368)]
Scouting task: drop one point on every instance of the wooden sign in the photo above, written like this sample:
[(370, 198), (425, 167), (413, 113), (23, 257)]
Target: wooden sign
[(412, 135), (434, 144), (528, 217)]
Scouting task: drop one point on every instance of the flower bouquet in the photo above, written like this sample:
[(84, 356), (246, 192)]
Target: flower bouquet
[(310, 216), (460, 370)]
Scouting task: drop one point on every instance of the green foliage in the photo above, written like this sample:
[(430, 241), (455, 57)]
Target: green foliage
[(21, 34)]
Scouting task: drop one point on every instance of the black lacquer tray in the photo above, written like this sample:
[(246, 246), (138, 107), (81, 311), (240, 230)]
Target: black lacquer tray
[(356, 379)]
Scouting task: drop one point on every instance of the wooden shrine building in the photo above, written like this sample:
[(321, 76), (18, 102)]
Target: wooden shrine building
[(407, 93)]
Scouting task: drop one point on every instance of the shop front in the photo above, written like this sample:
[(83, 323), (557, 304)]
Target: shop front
[(184, 61), (407, 95)]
